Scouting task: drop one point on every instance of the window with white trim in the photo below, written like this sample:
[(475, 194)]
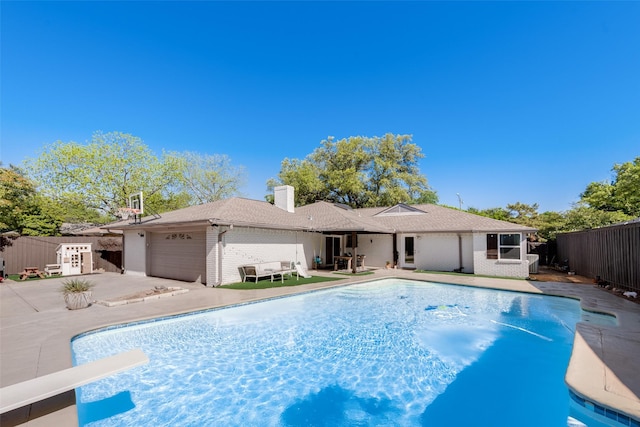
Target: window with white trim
[(503, 246)]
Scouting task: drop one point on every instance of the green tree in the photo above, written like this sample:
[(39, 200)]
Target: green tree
[(207, 178), (549, 224), (16, 198), (43, 219), (304, 176), (585, 217), (523, 214), (501, 214), (104, 172), (426, 196), (342, 165), (73, 209), (22, 210), (620, 195), (394, 175), (358, 171)]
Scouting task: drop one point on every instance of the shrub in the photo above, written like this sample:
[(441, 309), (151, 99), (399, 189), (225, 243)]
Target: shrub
[(73, 286)]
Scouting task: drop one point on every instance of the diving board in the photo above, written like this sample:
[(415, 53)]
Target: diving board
[(27, 392)]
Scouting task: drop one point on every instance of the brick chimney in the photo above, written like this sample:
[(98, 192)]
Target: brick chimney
[(283, 197)]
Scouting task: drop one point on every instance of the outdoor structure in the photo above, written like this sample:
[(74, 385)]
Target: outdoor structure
[(74, 258), (40, 251), (210, 243), (608, 254)]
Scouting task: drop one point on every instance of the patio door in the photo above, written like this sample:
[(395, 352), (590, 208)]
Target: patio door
[(333, 247), (408, 251)]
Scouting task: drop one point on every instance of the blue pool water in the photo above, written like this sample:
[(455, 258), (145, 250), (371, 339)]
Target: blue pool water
[(384, 353)]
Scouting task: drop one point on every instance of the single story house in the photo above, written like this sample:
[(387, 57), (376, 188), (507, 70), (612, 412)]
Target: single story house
[(209, 243)]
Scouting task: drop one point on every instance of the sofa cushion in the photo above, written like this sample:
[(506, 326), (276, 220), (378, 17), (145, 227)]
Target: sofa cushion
[(267, 267)]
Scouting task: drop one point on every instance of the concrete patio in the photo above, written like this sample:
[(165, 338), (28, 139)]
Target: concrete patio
[(36, 329)]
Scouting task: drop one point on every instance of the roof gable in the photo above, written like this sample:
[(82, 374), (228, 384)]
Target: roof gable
[(400, 209)]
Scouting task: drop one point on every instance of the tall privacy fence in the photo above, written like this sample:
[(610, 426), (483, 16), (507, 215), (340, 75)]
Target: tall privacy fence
[(613, 253), (34, 251)]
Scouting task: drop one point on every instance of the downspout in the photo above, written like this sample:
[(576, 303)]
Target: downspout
[(220, 252), (460, 251)]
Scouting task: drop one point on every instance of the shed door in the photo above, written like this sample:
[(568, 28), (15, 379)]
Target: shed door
[(86, 263), (179, 255)]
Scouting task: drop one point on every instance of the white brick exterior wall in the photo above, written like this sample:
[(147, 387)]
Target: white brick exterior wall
[(377, 248), (242, 246), (135, 250), (441, 252), (496, 267)]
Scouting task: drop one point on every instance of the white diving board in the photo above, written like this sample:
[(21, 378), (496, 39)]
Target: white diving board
[(27, 392)]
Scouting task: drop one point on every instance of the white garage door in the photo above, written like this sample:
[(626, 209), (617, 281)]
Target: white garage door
[(179, 255)]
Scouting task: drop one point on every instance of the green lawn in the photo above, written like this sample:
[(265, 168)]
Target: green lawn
[(360, 273), (266, 283), (16, 277)]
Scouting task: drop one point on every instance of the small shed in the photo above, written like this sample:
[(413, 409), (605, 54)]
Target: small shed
[(75, 258)]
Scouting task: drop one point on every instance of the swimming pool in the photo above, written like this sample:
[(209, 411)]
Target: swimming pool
[(385, 353)]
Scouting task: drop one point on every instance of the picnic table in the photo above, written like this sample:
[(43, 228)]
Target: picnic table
[(31, 272)]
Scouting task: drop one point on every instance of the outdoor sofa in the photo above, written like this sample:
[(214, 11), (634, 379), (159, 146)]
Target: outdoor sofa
[(267, 269)]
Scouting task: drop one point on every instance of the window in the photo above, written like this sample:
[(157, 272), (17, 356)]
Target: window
[(503, 246), (174, 236), (509, 246)]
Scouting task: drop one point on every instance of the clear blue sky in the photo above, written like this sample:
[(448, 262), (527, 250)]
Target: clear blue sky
[(509, 101)]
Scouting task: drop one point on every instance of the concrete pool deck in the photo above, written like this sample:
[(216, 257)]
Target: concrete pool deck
[(36, 330)]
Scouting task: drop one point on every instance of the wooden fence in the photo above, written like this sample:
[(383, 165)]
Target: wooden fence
[(34, 251), (613, 253)]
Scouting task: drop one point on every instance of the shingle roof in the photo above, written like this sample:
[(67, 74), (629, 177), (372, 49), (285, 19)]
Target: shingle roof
[(235, 210), (324, 216), (436, 218)]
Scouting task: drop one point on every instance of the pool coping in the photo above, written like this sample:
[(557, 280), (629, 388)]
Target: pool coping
[(36, 331)]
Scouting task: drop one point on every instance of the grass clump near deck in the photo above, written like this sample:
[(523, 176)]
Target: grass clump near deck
[(16, 278), (267, 283), (360, 273)]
